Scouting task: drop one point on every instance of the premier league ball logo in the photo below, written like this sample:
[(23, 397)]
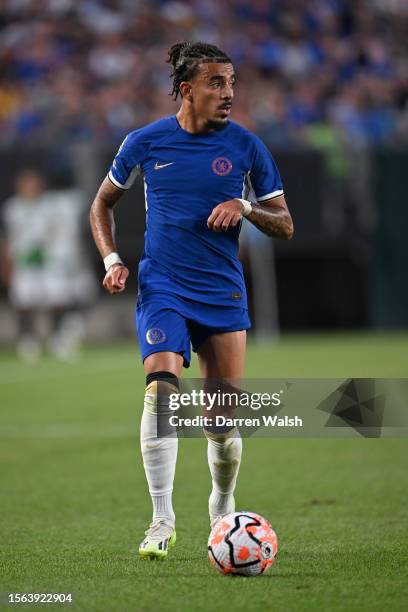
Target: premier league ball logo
[(221, 166)]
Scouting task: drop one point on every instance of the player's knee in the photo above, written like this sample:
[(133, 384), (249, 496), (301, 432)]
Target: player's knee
[(159, 387)]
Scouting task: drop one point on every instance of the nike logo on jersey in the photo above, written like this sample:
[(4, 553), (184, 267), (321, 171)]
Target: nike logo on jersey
[(158, 166)]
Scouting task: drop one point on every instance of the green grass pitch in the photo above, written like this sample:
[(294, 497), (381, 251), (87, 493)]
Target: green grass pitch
[(74, 501)]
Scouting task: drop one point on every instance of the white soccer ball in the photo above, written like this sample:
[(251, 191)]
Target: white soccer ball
[(242, 543)]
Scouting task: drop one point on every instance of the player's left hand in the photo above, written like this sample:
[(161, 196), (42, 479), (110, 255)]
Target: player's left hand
[(225, 215)]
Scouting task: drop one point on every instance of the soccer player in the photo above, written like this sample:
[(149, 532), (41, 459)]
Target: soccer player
[(198, 169), (43, 264)]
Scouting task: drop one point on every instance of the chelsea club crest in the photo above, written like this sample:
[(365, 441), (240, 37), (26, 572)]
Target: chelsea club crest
[(221, 166), (155, 335)]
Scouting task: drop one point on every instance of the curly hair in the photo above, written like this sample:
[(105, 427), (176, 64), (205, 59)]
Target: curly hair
[(185, 58)]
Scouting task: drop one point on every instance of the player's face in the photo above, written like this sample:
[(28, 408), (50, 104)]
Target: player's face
[(212, 91), (29, 184)]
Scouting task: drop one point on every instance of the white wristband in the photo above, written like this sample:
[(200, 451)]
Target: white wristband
[(112, 258), (247, 207)]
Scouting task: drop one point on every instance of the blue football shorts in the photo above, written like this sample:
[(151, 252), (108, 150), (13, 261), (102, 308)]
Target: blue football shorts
[(167, 322)]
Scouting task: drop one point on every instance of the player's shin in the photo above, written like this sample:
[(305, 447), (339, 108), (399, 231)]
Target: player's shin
[(224, 458), (159, 443)]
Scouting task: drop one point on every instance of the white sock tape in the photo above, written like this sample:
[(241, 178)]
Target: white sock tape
[(247, 207), (111, 259)]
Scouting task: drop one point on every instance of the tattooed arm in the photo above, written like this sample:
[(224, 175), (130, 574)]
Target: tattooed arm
[(103, 231), (272, 218)]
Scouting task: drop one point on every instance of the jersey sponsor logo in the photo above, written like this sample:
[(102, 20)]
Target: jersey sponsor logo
[(158, 166), (155, 335), (221, 166)]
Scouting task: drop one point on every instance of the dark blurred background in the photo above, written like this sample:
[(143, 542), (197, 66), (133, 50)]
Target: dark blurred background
[(323, 82)]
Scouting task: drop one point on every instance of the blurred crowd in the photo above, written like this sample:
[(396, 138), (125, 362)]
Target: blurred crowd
[(309, 71)]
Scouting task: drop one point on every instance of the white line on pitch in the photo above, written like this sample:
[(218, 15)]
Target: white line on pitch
[(67, 431), (23, 374)]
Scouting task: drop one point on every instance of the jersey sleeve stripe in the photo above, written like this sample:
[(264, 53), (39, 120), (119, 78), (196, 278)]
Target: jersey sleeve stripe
[(268, 196), (114, 181), (130, 180)]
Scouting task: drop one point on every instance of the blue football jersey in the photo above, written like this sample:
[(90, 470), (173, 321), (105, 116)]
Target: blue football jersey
[(185, 176)]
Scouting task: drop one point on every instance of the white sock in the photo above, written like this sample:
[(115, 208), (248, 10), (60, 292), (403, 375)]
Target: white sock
[(159, 454), (224, 458)]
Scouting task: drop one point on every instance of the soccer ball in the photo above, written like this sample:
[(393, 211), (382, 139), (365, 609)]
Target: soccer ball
[(242, 543)]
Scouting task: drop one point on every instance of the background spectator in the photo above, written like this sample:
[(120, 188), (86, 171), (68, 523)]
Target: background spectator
[(43, 265)]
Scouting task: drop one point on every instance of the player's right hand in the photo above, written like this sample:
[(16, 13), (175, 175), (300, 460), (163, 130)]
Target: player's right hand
[(225, 215), (115, 278)]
